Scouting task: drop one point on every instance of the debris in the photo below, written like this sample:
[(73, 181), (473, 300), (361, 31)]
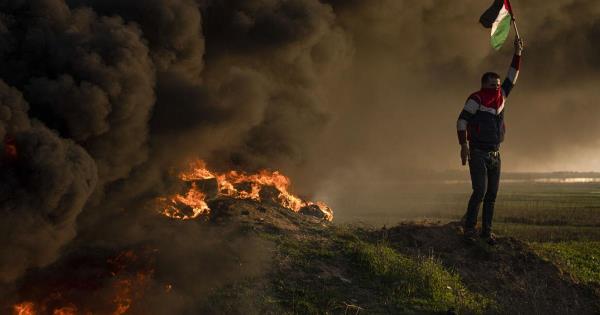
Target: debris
[(313, 210)]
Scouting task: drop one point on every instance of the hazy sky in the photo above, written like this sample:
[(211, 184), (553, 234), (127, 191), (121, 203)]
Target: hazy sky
[(414, 64)]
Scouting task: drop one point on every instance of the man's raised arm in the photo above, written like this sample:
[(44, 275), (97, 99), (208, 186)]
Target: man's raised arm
[(513, 71)]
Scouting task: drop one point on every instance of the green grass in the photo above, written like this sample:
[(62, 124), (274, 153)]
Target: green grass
[(547, 233), (413, 284), (580, 258), (366, 273), (297, 286)]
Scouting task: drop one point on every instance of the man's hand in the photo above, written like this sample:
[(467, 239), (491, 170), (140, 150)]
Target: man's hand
[(464, 153), (518, 46)]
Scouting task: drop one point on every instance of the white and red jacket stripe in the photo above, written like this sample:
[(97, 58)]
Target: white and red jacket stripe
[(475, 105)]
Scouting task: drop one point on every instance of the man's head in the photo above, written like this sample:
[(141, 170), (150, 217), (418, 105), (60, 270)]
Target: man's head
[(490, 80)]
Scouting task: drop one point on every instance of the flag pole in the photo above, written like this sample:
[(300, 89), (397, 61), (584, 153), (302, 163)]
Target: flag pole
[(514, 21)]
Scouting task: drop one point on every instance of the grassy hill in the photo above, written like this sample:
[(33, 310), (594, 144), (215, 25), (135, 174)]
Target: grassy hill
[(417, 268)]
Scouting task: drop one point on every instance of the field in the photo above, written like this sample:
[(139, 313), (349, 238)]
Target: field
[(560, 220)]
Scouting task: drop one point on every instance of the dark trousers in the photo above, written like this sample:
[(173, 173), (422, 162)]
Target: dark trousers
[(485, 179)]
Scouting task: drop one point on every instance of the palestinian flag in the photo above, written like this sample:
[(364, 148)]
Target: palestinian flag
[(498, 18)]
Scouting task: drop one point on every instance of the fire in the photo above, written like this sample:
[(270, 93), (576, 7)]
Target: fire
[(193, 199), (67, 310), (25, 308), (130, 273), (128, 287), (29, 308), (10, 148), (228, 184)]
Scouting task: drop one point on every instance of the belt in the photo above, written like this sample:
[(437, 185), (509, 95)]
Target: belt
[(490, 153)]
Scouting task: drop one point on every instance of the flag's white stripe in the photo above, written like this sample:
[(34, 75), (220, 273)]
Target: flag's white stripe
[(501, 15)]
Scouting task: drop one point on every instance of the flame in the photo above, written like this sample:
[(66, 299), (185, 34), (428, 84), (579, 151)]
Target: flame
[(29, 308), (123, 299), (131, 274), (194, 199), (67, 310), (228, 185), (128, 287), (25, 308), (10, 148)]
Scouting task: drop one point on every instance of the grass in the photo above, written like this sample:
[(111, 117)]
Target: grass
[(297, 286), (364, 271), (548, 233), (411, 284), (365, 274), (237, 297), (535, 204), (580, 258)]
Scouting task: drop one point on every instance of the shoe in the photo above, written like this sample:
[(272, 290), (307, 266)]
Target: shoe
[(489, 238), (470, 235)]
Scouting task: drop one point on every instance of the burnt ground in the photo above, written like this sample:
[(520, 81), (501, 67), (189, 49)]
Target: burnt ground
[(313, 271)]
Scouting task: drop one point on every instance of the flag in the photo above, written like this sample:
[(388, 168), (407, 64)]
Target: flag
[(498, 18)]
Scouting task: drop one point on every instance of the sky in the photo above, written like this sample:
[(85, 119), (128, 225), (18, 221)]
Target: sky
[(413, 65)]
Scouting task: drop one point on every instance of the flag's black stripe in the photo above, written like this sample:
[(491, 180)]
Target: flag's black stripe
[(489, 16)]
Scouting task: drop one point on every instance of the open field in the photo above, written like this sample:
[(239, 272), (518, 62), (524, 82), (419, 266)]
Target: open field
[(529, 211)]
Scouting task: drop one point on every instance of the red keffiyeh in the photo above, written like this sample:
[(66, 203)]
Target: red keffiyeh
[(490, 98)]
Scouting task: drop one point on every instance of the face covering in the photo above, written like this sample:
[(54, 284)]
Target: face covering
[(491, 98)]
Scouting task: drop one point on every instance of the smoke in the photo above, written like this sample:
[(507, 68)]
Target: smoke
[(105, 98), (415, 63), (41, 193), (395, 107)]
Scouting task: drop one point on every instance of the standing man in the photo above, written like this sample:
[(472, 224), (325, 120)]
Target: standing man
[(481, 129)]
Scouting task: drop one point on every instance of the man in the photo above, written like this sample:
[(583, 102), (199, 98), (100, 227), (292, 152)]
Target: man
[(481, 129)]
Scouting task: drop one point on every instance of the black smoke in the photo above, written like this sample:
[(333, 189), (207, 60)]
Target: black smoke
[(106, 98)]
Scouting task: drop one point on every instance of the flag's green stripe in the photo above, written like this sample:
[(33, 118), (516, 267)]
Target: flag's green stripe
[(501, 33)]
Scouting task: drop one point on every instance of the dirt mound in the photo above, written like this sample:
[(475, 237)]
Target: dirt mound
[(519, 280), (261, 216)]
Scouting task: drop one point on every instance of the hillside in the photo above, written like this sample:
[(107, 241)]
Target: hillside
[(421, 268)]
